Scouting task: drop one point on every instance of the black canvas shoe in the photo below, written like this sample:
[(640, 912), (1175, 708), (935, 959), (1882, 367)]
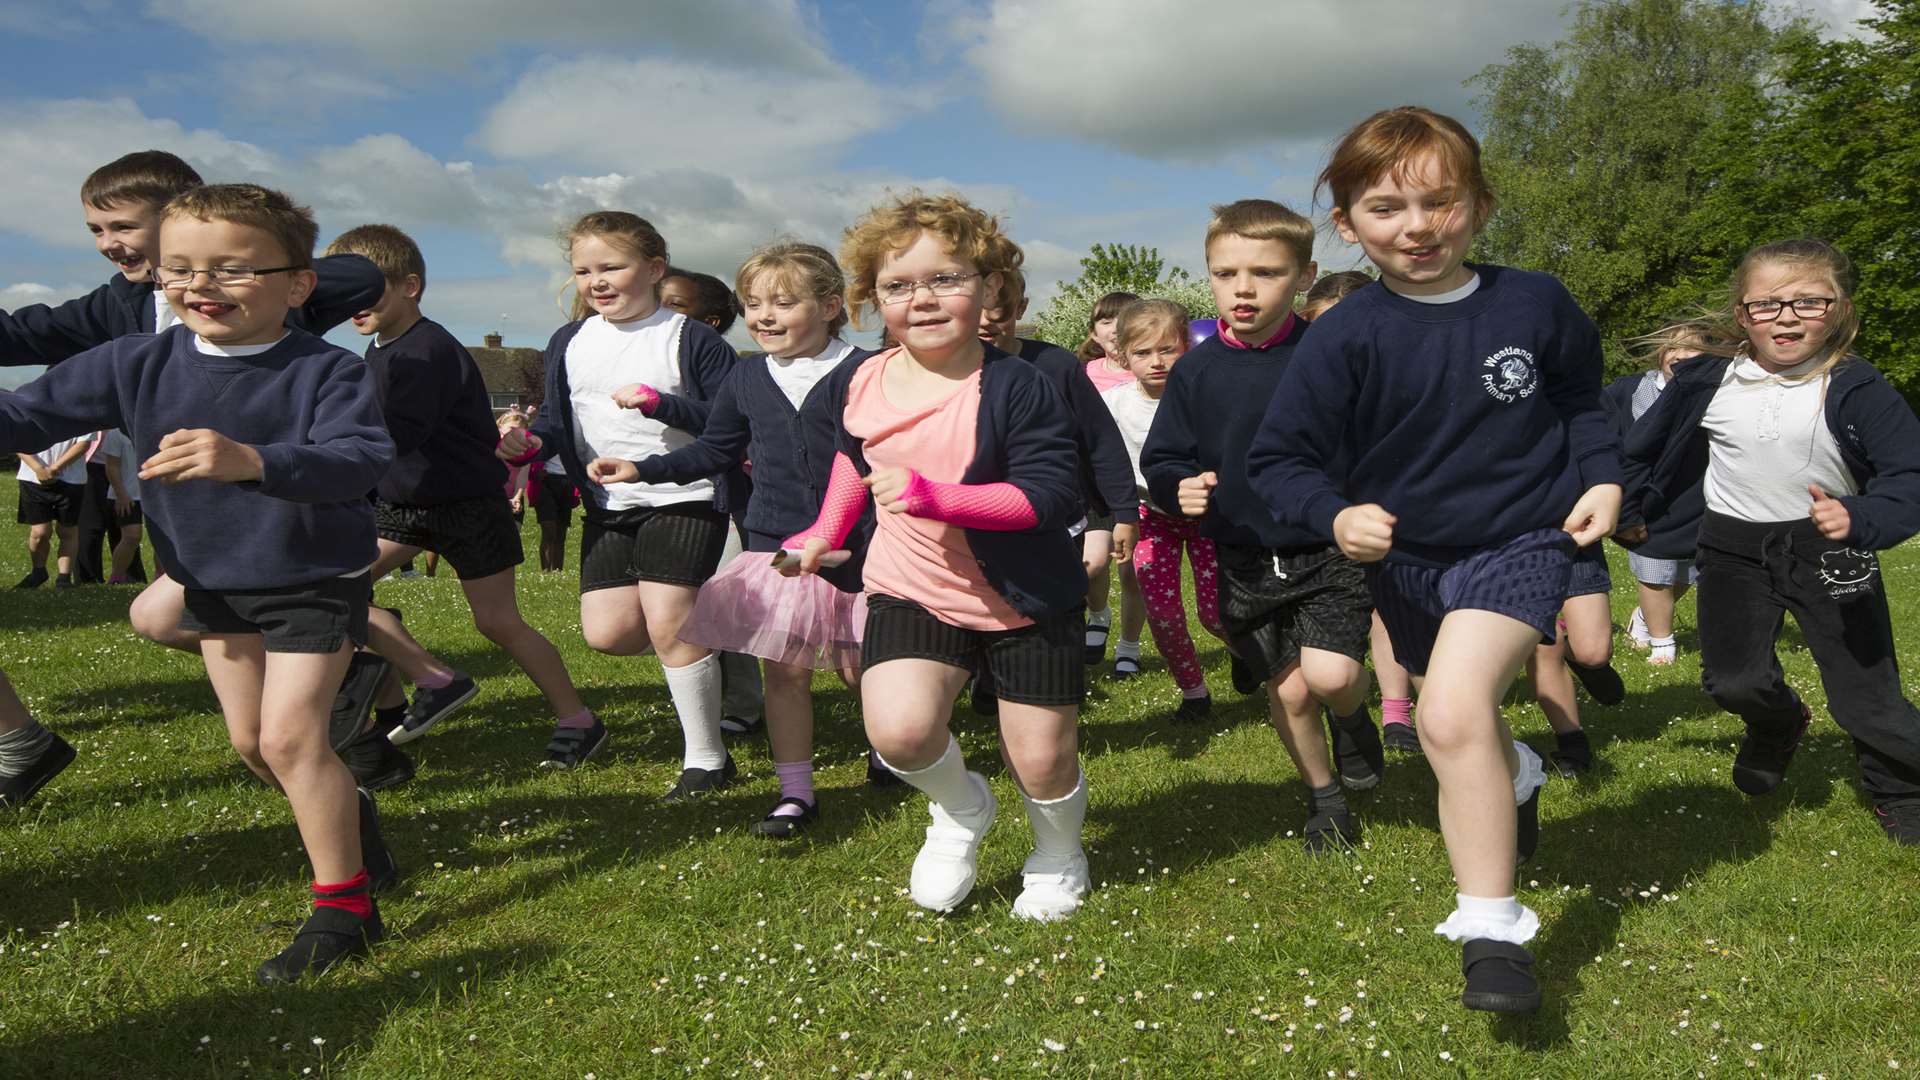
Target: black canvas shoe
[(1126, 667), (365, 671), (1330, 830), (1243, 680), (1499, 977), (382, 870), (1096, 645), (787, 826), (570, 747), (16, 790), (1193, 710), (429, 706), (695, 783), (375, 763), (1900, 819), (878, 775), (1400, 738), (1572, 754), (1762, 760), (329, 936), (1357, 749), (34, 579), (1602, 682)]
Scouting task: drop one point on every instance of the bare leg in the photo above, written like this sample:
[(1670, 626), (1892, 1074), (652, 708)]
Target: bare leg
[(1553, 685), (496, 614), (69, 541), (155, 615), (1295, 713), (1133, 606), (789, 712)]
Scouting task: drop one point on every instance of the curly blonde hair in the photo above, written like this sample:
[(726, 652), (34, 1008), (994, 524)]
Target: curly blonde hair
[(971, 234)]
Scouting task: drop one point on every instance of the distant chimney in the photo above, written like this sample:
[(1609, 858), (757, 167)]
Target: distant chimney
[(493, 339)]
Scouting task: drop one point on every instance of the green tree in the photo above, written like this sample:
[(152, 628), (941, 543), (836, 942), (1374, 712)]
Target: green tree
[(1603, 147), (1116, 268)]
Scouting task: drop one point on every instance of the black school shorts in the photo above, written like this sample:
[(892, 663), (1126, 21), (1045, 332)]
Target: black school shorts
[(679, 544), (1043, 663), (1272, 606), (313, 618), (49, 502), (477, 537), (556, 501)]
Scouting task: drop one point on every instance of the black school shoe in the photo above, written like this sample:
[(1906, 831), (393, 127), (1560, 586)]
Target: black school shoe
[(1499, 977), (34, 579), (1097, 654), (16, 790), (383, 871), (787, 826), (695, 783), (736, 726), (329, 936), (1357, 750), (429, 706), (1327, 831), (1572, 754), (570, 747), (1193, 710), (1900, 819), (365, 671), (1762, 760), (1602, 682), (1400, 738), (375, 763), (878, 775), (1243, 679)]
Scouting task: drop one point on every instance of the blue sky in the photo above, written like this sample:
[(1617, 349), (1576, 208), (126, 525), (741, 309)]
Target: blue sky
[(481, 125)]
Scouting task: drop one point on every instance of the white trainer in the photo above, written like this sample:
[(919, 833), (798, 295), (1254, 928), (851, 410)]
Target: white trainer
[(1637, 630), (1055, 887), (943, 871)]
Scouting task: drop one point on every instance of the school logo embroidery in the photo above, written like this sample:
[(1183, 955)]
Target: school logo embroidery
[(1846, 572), (1510, 375)]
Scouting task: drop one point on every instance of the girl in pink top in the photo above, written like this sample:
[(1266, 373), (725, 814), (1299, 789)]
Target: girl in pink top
[(1101, 351), (971, 462)]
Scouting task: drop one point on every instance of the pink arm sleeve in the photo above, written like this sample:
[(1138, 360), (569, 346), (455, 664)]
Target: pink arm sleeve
[(1000, 507), (846, 498)]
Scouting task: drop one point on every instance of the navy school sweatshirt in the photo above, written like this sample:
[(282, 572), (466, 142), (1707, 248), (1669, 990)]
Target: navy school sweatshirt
[(705, 362), (307, 407), (440, 417), (39, 334), (1473, 422), (1215, 398), (1106, 470)]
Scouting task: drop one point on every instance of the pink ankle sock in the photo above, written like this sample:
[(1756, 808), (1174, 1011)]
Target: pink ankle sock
[(796, 782), (433, 681), (1396, 710), (581, 719)]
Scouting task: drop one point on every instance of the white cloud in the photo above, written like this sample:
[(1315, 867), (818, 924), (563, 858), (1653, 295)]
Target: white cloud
[(617, 113), (407, 34), (30, 292), (1840, 18), (1172, 80)]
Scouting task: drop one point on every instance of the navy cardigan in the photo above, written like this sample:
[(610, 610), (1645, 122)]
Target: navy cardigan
[(1024, 437), (705, 362), (38, 334), (791, 449), (1878, 436), (1675, 533), (1106, 468)]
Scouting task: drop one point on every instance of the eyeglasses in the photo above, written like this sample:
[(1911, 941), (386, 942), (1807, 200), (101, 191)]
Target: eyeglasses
[(899, 292), (179, 277), (1807, 307)]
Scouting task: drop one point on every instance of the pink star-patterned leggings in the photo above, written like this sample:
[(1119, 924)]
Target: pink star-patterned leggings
[(1156, 562)]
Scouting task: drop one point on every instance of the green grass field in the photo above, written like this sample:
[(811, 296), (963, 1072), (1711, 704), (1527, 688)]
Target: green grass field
[(572, 926)]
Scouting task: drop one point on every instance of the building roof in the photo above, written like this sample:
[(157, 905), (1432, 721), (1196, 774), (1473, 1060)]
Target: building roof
[(507, 370)]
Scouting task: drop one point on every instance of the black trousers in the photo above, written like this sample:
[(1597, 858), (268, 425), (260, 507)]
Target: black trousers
[(97, 524), (1751, 576)]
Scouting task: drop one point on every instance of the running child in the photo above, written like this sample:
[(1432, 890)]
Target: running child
[(1662, 564), (779, 410), (1449, 423), (1106, 369), (1812, 465), (701, 297), (1294, 608), (51, 483), (647, 547), (1329, 289), (969, 456), (1150, 335), (444, 495), (261, 443)]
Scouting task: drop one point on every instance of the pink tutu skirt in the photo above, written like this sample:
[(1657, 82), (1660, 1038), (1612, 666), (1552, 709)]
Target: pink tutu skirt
[(749, 607)]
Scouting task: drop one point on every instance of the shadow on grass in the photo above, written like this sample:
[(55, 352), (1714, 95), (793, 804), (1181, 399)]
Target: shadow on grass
[(1657, 838), (66, 609), (253, 1023)]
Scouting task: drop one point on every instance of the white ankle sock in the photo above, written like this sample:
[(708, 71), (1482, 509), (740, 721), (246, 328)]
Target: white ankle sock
[(695, 690), (1128, 649), (1497, 918), (1663, 648), (1057, 822), (946, 781)]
